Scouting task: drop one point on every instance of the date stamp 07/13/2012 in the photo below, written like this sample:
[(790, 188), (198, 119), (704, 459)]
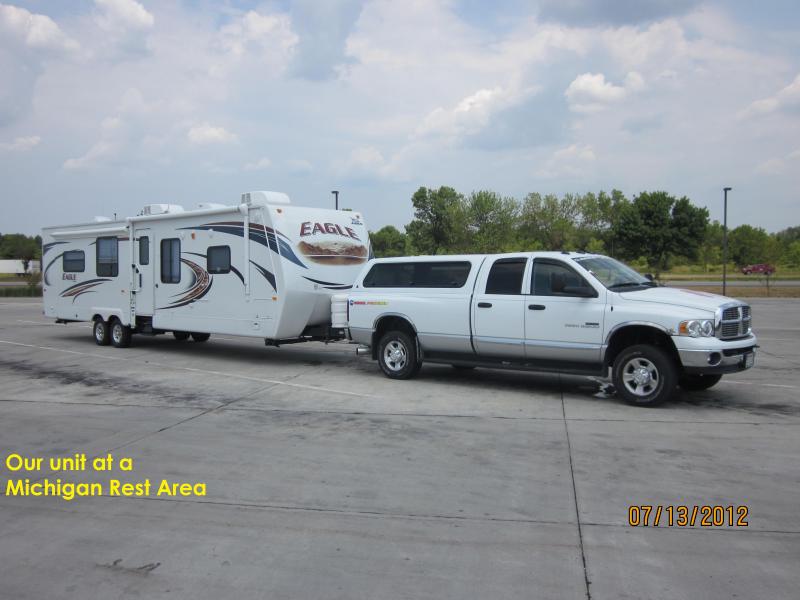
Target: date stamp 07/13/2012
[(679, 515)]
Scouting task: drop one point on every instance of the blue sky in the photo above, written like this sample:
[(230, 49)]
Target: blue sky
[(107, 105)]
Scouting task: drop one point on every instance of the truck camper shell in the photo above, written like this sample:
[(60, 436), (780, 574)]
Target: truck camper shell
[(262, 268)]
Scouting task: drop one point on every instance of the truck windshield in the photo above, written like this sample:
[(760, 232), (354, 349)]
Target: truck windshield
[(613, 274)]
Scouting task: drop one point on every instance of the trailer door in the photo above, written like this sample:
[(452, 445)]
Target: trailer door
[(143, 259)]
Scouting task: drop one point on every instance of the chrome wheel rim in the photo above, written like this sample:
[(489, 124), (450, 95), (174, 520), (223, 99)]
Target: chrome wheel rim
[(395, 355), (640, 376), (99, 331), (116, 333)]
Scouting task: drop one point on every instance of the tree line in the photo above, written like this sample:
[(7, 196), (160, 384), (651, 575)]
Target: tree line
[(653, 229)]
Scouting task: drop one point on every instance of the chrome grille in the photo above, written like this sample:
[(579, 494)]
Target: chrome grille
[(736, 322)]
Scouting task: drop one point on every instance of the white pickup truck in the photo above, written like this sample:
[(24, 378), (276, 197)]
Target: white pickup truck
[(567, 312)]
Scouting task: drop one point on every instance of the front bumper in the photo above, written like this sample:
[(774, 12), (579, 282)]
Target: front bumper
[(713, 356)]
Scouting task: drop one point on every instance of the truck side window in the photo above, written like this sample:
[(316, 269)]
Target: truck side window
[(144, 250), (107, 257), (424, 274), (550, 279), (506, 276), (219, 259), (171, 260), (73, 261)]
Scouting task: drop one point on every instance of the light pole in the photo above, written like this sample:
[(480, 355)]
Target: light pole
[(725, 241), (336, 195)]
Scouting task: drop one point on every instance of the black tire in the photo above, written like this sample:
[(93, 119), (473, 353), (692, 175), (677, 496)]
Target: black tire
[(644, 375), (181, 336), (397, 355), (102, 337), (698, 382), (200, 337), (120, 334), (463, 367)]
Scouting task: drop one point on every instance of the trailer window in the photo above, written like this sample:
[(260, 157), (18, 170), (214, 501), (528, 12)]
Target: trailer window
[(144, 250), (219, 259), (107, 257), (171, 260), (506, 276), (73, 261), (430, 274)]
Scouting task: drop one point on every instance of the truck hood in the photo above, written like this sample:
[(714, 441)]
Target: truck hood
[(677, 297)]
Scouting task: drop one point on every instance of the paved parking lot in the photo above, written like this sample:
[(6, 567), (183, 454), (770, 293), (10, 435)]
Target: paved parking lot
[(327, 480)]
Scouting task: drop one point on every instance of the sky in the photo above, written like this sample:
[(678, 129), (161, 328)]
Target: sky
[(108, 105)]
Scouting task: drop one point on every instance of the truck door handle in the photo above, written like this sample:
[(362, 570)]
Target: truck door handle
[(536, 307), (484, 305)]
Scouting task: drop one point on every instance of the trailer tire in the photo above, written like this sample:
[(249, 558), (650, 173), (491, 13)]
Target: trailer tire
[(120, 334), (698, 382), (644, 375), (200, 337), (181, 336), (100, 331), (397, 355)]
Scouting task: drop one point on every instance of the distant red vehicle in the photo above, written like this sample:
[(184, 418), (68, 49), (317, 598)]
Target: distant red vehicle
[(763, 269)]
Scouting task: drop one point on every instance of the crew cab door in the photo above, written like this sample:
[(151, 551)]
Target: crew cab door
[(498, 309), (563, 314)]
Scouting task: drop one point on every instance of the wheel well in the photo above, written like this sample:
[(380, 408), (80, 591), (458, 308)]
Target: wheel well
[(390, 323), (97, 317), (639, 334)]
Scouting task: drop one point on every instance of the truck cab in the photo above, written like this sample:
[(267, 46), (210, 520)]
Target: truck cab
[(567, 312)]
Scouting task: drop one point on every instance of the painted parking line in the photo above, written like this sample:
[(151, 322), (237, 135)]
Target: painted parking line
[(206, 371)]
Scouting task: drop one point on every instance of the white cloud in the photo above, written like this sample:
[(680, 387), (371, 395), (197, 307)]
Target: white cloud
[(299, 166), (258, 165), (591, 92), (21, 144), (116, 15), (33, 30), (571, 161), (787, 98), (267, 36), (205, 133), (777, 166)]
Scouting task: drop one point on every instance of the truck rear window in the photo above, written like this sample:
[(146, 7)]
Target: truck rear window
[(418, 275)]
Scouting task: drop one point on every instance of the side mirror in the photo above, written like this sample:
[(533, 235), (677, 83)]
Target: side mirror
[(581, 291), (649, 277)]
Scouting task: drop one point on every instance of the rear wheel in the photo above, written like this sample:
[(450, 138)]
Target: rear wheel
[(181, 335), (120, 334), (397, 355), (100, 332), (200, 337), (698, 382), (644, 375)]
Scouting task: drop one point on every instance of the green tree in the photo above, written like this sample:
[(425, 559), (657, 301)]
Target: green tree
[(439, 224), (490, 221), (657, 226), (548, 222), (747, 245), (18, 245), (711, 249), (388, 241), (793, 254)]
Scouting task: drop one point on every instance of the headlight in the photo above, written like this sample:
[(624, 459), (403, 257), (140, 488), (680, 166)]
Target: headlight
[(697, 328)]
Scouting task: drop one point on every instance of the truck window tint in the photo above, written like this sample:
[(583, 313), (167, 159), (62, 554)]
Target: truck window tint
[(144, 250), (107, 257), (171, 260), (430, 274), (219, 259), (550, 279), (73, 261), (506, 276)]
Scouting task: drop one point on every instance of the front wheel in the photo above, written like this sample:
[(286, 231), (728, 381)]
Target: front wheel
[(100, 331), (120, 334), (397, 355), (180, 335), (699, 382), (644, 375), (200, 337)]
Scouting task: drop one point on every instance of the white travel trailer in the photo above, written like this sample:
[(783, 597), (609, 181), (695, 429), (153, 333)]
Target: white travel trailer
[(263, 268)]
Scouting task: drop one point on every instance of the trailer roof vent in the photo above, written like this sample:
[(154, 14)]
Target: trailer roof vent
[(161, 209), (264, 198)]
